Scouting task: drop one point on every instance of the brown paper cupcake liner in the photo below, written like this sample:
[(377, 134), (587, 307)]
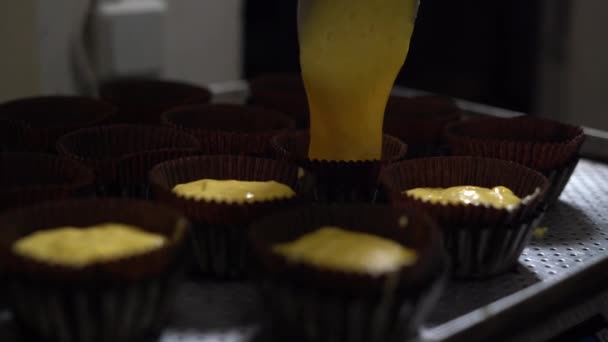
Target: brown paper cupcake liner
[(143, 100), (230, 129), (12, 136), (34, 124), (559, 179), (122, 155), (488, 251), (282, 92), (540, 144), (29, 178), (220, 229), (420, 122), (313, 304), (442, 172), (338, 181), (122, 300)]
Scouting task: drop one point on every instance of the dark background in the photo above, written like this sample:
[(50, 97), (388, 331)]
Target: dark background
[(481, 50)]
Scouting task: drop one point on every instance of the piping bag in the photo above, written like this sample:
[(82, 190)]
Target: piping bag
[(350, 54)]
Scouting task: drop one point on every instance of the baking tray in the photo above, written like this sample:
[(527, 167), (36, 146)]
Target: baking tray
[(561, 279)]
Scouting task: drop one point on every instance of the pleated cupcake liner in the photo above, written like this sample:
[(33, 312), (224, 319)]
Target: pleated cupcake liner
[(559, 178), (143, 101), (34, 124), (282, 92), (132, 312), (301, 315), (420, 121), (230, 129), (309, 303), (120, 300), (12, 136), (338, 181), (221, 227), (122, 155), (482, 252), (444, 172), (426, 150), (221, 251), (540, 144), (29, 178)]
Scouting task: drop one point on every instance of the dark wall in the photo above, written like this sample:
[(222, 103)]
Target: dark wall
[(476, 49)]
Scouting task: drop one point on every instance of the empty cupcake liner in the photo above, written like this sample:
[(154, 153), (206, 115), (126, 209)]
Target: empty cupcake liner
[(481, 252), (34, 124), (308, 303), (123, 300), (230, 129), (12, 136), (143, 100), (338, 181), (221, 228), (29, 178), (282, 92), (443, 172), (559, 179), (540, 144), (122, 155), (420, 122)]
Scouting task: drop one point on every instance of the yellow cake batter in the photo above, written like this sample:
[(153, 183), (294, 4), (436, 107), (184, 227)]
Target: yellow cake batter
[(233, 190), (342, 250), (350, 54), (498, 197), (80, 247)]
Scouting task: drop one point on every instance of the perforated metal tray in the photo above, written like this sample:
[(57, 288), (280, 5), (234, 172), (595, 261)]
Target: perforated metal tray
[(560, 280)]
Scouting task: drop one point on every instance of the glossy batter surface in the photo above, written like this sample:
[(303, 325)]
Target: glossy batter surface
[(343, 250), (80, 247)]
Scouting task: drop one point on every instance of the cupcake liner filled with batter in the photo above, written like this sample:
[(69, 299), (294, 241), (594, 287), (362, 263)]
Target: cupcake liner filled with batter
[(113, 300), (481, 239), (547, 146), (317, 302), (34, 124), (221, 225), (29, 178), (339, 181), (230, 129), (122, 155)]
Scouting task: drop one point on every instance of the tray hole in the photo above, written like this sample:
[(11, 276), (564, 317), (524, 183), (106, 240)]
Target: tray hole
[(579, 260), (553, 248), (540, 254), (565, 266), (552, 272), (585, 249), (544, 260)]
